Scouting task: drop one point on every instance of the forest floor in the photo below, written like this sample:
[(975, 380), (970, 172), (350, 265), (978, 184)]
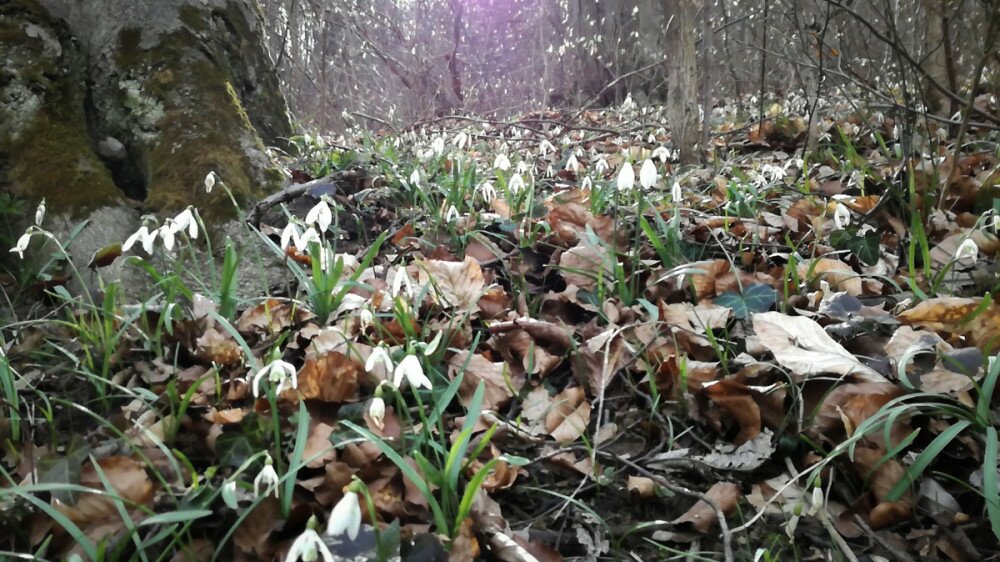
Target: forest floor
[(539, 339)]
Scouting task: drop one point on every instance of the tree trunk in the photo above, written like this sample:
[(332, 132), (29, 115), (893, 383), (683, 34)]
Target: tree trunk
[(682, 96), (138, 98)]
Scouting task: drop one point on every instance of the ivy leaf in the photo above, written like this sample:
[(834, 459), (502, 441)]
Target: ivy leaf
[(756, 297), (865, 247)]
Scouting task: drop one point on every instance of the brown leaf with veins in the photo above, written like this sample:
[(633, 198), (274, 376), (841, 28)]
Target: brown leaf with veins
[(838, 274), (475, 368), (569, 416), (848, 405), (954, 315), (454, 284), (252, 535), (217, 347), (319, 451), (701, 516), (332, 377), (271, 317), (884, 477), (569, 223), (734, 398), (503, 474), (582, 265)]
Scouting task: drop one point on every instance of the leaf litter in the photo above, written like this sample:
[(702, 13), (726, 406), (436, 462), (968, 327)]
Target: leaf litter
[(773, 355)]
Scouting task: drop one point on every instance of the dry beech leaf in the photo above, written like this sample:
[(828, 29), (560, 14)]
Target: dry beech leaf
[(226, 417), (216, 347), (453, 284), (581, 265), (884, 477), (330, 378), (252, 535), (319, 451), (701, 516), (271, 317), (802, 346), (734, 398), (569, 416), (848, 405), (499, 387), (838, 274), (569, 224), (641, 486), (503, 474), (130, 482), (953, 315)]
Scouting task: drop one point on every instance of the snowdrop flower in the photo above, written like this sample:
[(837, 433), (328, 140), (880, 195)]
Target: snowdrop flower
[(430, 348), (290, 234), (628, 104), (522, 167), (266, 479), (452, 214), (662, 153), (437, 145), (415, 178), (841, 216), (166, 233), (40, 212), (366, 318), (346, 516), (647, 174), (817, 500), (675, 192), (460, 140), (320, 215), (775, 173), (280, 372), (310, 235), (411, 370), (309, 546), (487, 190), (601, 166), (545, 147), (587, 183), (379, 354), (516, 184), (399, 280), (185, 220), (22, 243), (376, 411), (501, 162), (209, 182), (626, 177), (967, 250), (142, 235), (572, 164)]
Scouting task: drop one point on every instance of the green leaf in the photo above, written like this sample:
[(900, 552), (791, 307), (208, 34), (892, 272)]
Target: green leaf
[(866, 247), (925, 458), (990, 487), (756, 297)]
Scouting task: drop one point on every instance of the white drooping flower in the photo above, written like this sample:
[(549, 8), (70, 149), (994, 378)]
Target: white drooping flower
[(209, 182), (516, 184), (166, 233), (376, 411), (22, 243), (501, 162), (452, 214), (280, 373), (320, 215), (572, 164), (415, 178), (412, 371), (841, 216), (267, 479), (229, 494), (142, 235), (626, 177), (379, 354), (968, 250), (675, 192), (309, 546), (545, 147), (662, 153), (487, 190), (346, 516), (647, 174), (185, 220), (437, 145), (290, 234), (40, 212), (401, 280), (601, 165)]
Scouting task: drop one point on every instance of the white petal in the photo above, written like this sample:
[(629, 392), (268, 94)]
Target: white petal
[(647, 174), (626, 177)]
